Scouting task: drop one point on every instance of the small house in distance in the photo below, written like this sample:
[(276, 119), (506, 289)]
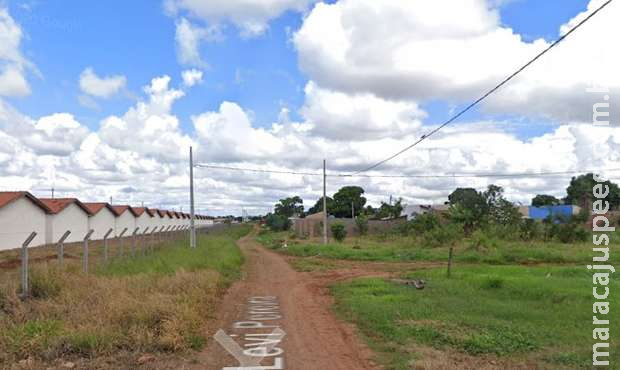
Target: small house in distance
[(126, 219), (66, 214), (101, 220), (21, 213)]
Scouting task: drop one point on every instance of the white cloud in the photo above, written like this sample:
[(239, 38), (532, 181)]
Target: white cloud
[(192, 77), (13, 65), (149, 128), (346, 117), (401, 49), (188, 38), (101, 87), (250, 16)]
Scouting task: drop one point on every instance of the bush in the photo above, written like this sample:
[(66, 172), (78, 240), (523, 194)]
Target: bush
[(362, 224), (278, 223), (482, 241), (443, 235), (421, 224), (529, 230), (338, 231), (570, 233)]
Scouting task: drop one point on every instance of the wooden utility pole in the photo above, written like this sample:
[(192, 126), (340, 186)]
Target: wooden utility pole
[(324, 205)]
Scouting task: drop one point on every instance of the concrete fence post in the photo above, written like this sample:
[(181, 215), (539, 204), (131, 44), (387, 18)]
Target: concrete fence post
[(61, 247), (144, 241), (85, 252), (24, 272), (105, 245), (152, 241), (133, 241), (160, 235), (120, 242)]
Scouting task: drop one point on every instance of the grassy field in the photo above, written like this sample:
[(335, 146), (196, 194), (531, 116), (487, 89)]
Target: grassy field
[(158, 304), (406, 249), (507, 304), (539, 315)]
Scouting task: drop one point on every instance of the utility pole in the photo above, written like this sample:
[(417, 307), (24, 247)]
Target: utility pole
[(324, 205), (192, 231)]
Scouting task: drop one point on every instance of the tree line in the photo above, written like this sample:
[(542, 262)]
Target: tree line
[(469, 208)]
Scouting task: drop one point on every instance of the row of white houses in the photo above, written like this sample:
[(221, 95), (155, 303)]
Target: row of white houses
[(21, 213)]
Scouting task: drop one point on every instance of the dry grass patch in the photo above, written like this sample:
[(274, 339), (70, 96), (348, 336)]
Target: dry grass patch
[(111, 318)]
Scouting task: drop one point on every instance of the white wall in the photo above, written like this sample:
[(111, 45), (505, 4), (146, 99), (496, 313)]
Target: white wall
[(125, 220), (156, 222), (101, 222), (72, 218), (143, 221), (17, 220)]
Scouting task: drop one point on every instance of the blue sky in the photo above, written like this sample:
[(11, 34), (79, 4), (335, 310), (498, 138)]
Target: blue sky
[(361, 79), (260, 73)]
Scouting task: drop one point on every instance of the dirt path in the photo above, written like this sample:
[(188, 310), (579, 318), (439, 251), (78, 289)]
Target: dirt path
[(314, 339)]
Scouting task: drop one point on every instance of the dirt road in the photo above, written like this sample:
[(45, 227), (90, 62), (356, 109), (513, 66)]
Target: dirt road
[(314, 339)]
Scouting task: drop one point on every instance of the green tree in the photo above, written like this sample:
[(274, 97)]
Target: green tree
[(345, 198), (289, 207), (362, 224), (278, 222), (318, 206), (387, 210), (581, 187), (469, 207), (542, 200), (500, 211)]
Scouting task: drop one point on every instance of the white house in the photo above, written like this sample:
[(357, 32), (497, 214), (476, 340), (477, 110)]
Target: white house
[(126, 219), (20, 214), (102, 219), (67, 214), (143, 219)]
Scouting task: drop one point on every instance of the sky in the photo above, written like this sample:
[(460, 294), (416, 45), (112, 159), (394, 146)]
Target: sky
[(103, 100)]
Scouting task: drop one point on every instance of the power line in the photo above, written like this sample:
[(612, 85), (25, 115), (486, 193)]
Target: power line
[(256, 170), (454, 175), (493, 90)]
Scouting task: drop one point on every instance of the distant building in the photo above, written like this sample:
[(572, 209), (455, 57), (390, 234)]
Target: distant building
[(20, 214), (67, 214), (555, 212), (101, 220)]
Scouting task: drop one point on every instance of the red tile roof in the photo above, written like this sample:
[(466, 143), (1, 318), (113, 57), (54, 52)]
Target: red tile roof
[(7, 197), (57, 205), (95, 208), (121, 209), (138, 211)]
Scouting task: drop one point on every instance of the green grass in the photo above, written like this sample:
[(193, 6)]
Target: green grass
[(539, 313), (217, 252), (407, 249)]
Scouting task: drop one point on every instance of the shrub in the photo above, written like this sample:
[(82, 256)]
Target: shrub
[(362, 224), (338, 231), (481, 240), (529, 230), (422, 224), (278, 223), (493, 283), (443, 235)]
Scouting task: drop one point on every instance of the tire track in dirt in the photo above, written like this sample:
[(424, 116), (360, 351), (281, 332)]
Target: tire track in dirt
[(315, 339)]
